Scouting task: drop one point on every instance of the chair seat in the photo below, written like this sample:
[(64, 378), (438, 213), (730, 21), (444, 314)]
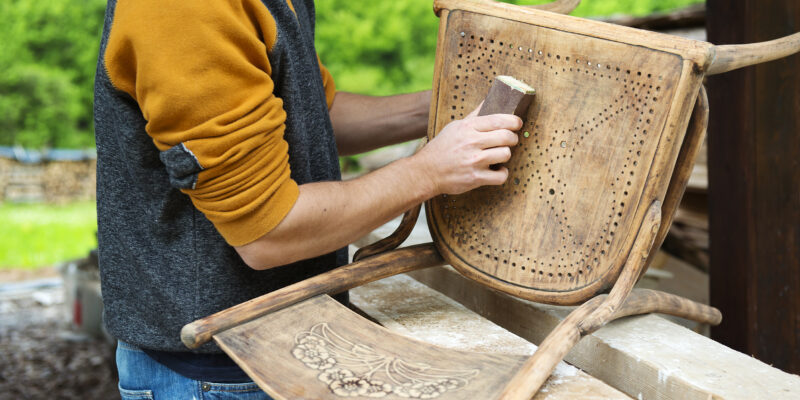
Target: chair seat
[(321, 349)]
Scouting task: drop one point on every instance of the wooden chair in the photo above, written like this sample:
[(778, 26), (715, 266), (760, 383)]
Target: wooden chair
[(604, 156)]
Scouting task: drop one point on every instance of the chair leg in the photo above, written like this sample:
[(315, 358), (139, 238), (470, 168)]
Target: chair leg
[(555, 346), (645, 301), (580, 323), (597, 312)]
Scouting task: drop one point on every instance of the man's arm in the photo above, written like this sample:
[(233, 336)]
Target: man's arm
[(330, 215), (362, 123)]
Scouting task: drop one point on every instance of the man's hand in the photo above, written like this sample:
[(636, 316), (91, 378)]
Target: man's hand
[(458, 159), (330, 215)]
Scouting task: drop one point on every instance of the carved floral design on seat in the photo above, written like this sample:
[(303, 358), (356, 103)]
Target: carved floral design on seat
[(356, 370)]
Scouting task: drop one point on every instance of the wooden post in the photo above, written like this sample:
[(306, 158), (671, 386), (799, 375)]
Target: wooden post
[(754, 186)]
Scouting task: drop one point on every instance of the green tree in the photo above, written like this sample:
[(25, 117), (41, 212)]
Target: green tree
[(388, 47), (48, 51)]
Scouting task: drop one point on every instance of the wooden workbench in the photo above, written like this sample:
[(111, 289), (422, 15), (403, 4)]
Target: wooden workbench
[(646, 357)]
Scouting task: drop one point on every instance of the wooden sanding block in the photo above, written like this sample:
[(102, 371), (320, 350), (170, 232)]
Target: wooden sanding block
[(508, 96)]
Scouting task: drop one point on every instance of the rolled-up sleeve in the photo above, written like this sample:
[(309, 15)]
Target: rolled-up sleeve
[(200, 74)]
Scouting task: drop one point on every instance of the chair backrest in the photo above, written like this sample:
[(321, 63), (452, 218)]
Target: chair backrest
[(599, 144)]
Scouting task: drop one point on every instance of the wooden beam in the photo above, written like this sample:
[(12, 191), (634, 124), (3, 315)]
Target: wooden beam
[(410, 308), (754, 186), (645, 357)]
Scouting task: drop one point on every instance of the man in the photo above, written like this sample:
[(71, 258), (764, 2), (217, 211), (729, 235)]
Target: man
[(218, 134)]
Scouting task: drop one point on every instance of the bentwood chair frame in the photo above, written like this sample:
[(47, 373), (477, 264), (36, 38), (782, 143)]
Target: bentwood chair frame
[(605, 153)]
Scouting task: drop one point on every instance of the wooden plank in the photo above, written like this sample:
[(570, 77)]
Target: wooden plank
[(644, 357), (408, 307), (754, 179)]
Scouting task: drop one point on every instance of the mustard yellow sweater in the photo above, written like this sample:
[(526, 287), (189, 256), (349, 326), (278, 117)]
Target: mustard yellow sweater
[(199, 71)]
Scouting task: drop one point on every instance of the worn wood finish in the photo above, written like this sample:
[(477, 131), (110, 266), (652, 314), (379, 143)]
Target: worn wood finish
[(592, 314), (320, 349), (646, 356), (602, 114), (692, 143), (585, 320), (754, 187), (338, 280), (601, 310), (731, 57), (580, 210), (501, 99), (698, 52), (395, 239), (405, 306)]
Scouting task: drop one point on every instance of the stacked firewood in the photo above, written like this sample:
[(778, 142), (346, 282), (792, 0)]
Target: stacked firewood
[(69, 180)]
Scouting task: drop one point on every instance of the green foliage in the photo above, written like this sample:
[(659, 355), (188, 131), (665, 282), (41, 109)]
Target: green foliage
[(48, 50), (388, 47), (42, 107), (34, 235), (380, 47), (595, 8)]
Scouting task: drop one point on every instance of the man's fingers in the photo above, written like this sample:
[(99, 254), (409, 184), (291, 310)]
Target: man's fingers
[(496, 155), (494, 176), (496, 121), (502, 137)]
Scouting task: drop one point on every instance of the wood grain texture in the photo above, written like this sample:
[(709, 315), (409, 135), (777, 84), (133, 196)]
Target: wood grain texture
[(731, 57), (645, 357), (338, 280), (754, 187), (587, 318), (692, 143), (319, 349), (698, 52), (600, 140), (599, 311), (405, 306), (579, 213), (395, 239)]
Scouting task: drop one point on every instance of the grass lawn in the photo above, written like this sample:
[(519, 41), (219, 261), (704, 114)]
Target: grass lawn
[(38, 235)]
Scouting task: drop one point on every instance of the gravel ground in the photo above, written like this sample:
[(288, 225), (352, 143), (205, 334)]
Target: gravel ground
[(41, 358)]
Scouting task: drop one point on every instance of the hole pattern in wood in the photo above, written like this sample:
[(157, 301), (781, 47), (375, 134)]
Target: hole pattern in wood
[(564, 216), (351, 369)]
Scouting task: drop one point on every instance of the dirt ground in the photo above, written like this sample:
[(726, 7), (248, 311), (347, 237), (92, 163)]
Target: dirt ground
[(40, 356)]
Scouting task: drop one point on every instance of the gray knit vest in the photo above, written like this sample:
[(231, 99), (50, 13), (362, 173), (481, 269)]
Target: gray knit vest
[(162, 263)]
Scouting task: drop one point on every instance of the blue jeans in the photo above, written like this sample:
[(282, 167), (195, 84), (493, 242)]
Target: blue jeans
[(142, 378)]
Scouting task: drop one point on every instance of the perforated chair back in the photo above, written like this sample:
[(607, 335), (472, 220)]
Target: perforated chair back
[(598, 146)]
